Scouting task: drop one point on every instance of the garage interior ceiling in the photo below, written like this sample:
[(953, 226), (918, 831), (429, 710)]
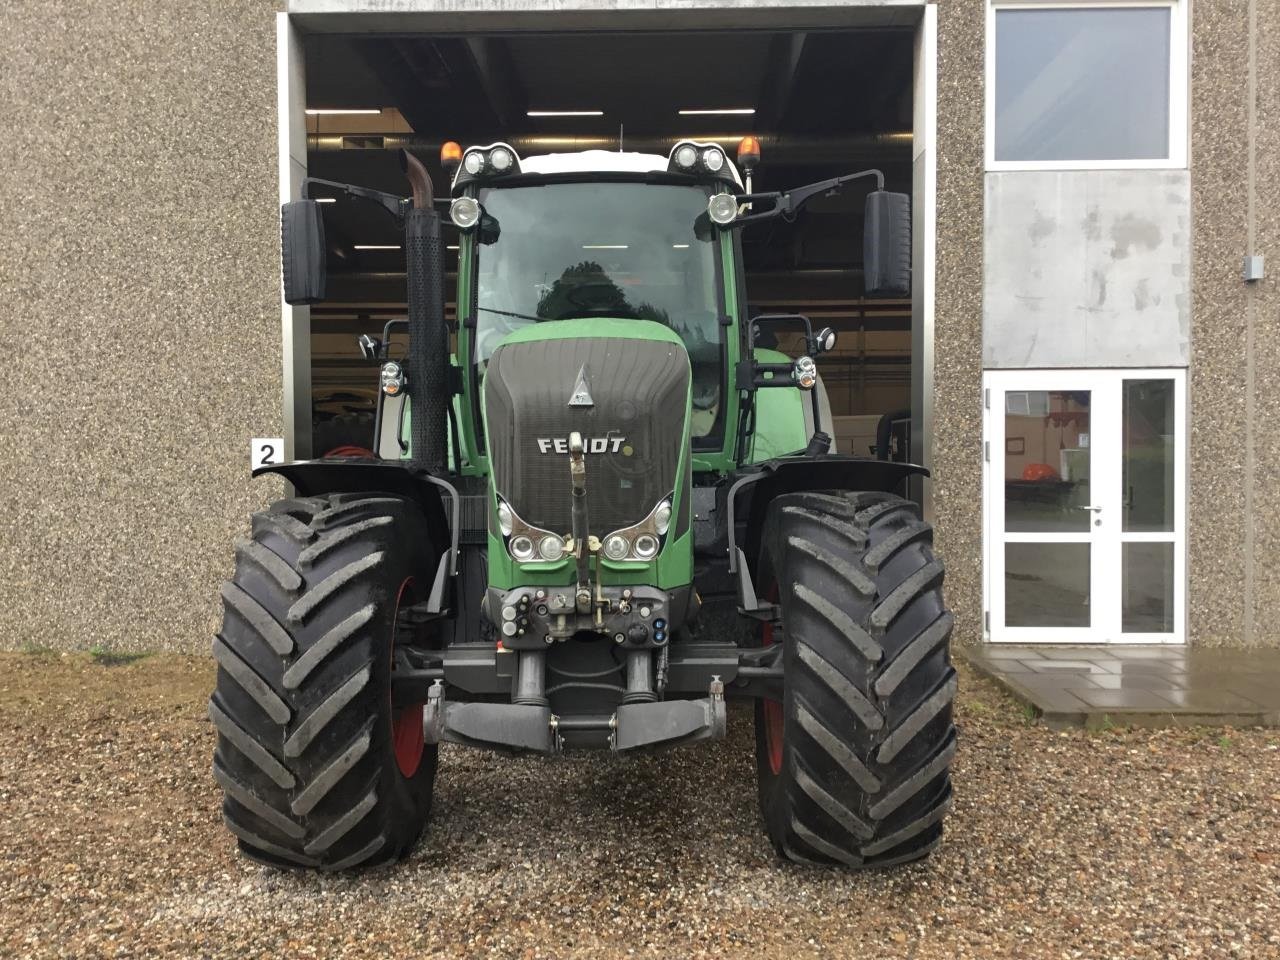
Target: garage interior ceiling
[(825, 102)]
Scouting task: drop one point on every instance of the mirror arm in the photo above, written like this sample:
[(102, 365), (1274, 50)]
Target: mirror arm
[(394, 205), (787, 204), (802, 195)]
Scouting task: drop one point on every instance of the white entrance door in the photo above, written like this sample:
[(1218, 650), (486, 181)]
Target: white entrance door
[(1084, 498)]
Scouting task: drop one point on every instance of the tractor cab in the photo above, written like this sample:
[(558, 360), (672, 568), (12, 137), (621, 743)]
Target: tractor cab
[(601, 235)]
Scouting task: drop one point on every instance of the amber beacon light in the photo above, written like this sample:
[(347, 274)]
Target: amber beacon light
[(450, 155)]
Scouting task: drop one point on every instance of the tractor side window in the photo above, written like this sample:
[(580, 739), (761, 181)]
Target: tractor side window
[(619, 250)]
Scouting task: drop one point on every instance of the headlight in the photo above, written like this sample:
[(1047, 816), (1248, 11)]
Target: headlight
[(473, 162), (392, 379), (723, 208), (551, 548), (504, 519), (500, 159), (465, 212), (617, 547), (686, 156), (522, 548), (713, 159), (646, 546), (662, 517), (805, 373)]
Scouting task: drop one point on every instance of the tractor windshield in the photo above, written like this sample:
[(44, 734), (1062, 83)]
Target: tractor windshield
[(604, 249)]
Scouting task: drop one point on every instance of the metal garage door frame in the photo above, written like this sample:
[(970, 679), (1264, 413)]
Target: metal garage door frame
[(454, 17)]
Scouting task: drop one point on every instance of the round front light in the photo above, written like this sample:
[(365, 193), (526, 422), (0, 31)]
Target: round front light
[(805, 373), (723, 208), (713, 159), (616, 547), (522, 547), (392, 379), (473, 162), (504, 519), (662, 516), (551, 548), (686, 156), (500, 159), (464, 212), (646, 546)]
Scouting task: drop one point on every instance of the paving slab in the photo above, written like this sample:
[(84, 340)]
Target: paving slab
[(1138, 685)]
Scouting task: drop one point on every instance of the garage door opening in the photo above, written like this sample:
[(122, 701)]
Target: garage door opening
[(821, 103)]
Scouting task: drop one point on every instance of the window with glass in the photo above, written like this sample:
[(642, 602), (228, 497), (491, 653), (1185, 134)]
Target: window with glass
[(1091, 84)]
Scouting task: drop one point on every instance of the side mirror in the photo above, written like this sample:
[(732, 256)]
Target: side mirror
[(886, 244), (490, 230), (302, 252)]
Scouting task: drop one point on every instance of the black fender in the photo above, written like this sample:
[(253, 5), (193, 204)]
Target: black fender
[(752, 489), (430, 493)]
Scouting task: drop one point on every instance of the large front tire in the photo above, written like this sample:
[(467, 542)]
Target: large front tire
[(853, 764), (317, 768)]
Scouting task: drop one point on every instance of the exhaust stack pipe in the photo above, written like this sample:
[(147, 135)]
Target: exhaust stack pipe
[(428, 337)]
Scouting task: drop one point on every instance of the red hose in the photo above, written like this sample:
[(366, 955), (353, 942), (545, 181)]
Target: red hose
[(350, 451)]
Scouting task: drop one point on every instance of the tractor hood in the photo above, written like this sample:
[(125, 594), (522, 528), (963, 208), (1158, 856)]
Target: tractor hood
[(623, 385)]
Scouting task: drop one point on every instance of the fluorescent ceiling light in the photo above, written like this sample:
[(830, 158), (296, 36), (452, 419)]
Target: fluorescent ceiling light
[(564, 113), (326, 199), (343, 112), (736, 111), (453, 246), (679, 246), (377, 246), (605, 246)]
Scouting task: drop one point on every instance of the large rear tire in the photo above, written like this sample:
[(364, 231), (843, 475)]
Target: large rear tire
[(317, 769), (853, 765)]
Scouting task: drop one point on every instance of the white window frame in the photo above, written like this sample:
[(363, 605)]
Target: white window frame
[(1179, 69)]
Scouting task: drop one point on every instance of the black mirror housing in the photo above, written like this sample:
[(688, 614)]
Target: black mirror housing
[(886, 245), (490, 229), (302, 252)]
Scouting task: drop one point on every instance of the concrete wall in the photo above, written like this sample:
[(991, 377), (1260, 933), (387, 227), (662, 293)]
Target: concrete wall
[(957, 439), (1087, 269), (1234, 511), (138, 303)]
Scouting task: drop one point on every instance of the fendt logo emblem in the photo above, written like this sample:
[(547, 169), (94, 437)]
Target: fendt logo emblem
[(589, 444), (581, 396)]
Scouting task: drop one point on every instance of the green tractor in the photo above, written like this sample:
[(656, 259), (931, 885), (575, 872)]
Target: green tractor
[(602, 507)]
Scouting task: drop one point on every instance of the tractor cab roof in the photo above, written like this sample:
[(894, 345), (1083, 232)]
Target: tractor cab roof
[(589, 162)]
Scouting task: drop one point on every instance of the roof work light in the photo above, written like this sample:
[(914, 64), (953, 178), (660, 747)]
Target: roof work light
[(450, 155)]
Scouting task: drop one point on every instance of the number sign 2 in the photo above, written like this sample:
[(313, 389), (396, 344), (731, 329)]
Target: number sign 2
[(265, 452)]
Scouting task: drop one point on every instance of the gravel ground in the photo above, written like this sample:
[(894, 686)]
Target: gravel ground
[(1110, 844)]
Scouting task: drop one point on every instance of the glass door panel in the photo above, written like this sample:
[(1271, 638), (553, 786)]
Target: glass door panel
[(1046, 461), (1147, 590), (1150, 492), (1147, 458), (1046, 584)]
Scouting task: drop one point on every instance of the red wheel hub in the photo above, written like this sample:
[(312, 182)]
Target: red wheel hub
[(406, 725), (773, 718), (406, 732)]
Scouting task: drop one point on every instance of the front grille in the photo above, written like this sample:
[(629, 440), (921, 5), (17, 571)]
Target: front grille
[(639, 390)]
